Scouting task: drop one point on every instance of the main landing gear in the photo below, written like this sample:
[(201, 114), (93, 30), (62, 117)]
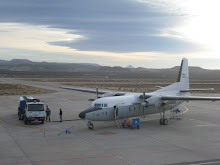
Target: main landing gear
[(163, 120), (90, 125)]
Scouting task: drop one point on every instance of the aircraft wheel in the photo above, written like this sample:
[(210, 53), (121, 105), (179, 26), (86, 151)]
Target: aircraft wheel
[(161, 121), (19, 116), (165, 122), (91, 126)]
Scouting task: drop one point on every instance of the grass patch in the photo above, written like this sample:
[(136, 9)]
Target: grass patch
[(16, 89), (130, 85)]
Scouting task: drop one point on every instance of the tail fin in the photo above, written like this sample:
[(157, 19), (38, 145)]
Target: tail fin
[(183, 77), (182, 83)]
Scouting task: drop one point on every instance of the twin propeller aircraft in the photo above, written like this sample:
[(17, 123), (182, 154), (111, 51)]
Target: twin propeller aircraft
[(121, 105)]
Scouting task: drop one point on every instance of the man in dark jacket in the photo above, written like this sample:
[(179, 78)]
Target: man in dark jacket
[(61, 113), (48, 113)]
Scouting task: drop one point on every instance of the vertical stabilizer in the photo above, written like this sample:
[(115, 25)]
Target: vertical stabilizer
[(183, 77)]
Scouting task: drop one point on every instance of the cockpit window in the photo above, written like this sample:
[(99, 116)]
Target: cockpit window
[(97, 105), (100, 105)]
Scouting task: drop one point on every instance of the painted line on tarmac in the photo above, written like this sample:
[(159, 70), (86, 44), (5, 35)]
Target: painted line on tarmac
[(46, 129)]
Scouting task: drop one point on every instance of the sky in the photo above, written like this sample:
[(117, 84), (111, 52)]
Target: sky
[(141, 33)]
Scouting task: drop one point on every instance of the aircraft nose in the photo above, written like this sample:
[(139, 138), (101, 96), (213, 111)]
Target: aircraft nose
[(82, 115)]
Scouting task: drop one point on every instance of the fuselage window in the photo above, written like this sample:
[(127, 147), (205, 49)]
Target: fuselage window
[(105, 105), (97, 105)]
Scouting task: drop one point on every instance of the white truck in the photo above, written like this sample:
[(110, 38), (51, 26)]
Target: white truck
[(31, 110)]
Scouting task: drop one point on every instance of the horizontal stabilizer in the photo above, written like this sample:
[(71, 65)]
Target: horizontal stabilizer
[(194, 90), (189, 98)]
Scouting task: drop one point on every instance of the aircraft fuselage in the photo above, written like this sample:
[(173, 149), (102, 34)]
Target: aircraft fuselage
[(104, 109)]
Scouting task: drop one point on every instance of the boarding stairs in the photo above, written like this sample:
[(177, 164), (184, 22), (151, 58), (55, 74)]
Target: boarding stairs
[(117, 121)]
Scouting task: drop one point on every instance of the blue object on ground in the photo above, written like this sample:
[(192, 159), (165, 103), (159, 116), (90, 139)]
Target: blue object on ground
[(67, 130), (135, 122)]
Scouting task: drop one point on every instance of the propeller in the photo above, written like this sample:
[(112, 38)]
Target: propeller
[(143, 94), (144, 102)]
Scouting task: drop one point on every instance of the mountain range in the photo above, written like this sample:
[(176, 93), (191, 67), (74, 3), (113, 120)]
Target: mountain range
[(27, 68)]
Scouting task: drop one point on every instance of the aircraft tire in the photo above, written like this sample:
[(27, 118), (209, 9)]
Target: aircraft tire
[(161, 121), (165, 122), (19, 116), (91, 126)]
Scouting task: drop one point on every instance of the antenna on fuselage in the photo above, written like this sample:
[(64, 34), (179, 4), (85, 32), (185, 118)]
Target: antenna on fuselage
[(97, 92)]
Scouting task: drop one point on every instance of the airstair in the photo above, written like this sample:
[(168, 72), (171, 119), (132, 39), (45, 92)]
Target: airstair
[(117, 121)]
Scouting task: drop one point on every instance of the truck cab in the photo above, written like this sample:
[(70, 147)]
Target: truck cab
[(31, 110)]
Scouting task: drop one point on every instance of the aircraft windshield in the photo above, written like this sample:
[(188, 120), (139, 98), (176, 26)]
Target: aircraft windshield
[(97, 105), (35, 107), (100, 105)]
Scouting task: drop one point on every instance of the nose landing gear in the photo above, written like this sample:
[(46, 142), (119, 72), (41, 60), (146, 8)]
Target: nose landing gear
[(90, 125), (163, 120)]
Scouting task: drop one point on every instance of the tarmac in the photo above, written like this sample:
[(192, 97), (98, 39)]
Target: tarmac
[(193, 140)]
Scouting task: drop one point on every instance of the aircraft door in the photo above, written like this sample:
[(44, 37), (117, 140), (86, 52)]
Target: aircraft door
[(115, 111)]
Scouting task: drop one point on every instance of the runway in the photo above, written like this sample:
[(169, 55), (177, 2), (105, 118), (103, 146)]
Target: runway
[(193, 140)]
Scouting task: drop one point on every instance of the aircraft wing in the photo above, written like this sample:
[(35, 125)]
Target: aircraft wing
[(189, 98), (94, 91)]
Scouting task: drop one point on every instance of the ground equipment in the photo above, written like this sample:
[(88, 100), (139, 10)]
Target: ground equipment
[(31, 110)]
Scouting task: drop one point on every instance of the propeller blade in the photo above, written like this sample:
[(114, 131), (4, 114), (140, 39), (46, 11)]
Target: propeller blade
[(143, 94)]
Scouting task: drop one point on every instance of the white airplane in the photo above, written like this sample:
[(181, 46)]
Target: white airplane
[(120, 105)]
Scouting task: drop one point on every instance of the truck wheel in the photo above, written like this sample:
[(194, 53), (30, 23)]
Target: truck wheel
[(25, 121), (19, 116), (42, 122)]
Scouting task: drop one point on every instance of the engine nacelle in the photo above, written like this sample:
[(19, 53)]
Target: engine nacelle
[(152, 101), (110, 94)]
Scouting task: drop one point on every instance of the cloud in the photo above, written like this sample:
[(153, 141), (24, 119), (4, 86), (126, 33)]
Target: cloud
[(112, 26), (39, 38), (34, 37), (111, 32)]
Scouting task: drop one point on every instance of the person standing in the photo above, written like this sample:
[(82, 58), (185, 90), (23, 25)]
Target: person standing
[(48, 113), (61, 113)]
